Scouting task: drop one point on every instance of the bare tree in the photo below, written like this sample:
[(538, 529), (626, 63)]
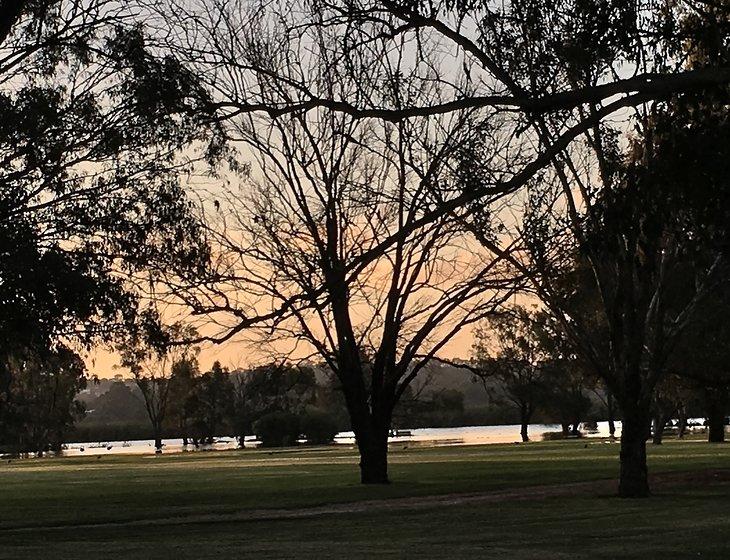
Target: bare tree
[(511, 66), (323, 190), (530, 77)]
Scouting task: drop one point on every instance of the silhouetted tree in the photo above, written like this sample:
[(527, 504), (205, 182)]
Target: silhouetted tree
[(119, 405), (671, 399), (319, 426), (40, 406), (152, 357), (508, 349), (89, 164), (278, 429), (567, 381), (633, 214), (556, 67), (213, 398), (327, 189), (701, 359), (184, 379), (275, 387)]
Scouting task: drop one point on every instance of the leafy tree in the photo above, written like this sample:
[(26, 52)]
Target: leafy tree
[(184, 379), (634, 217), (700, 361), (318, 426), (119, 405), (92, 129), (671, 399), (271, 388), (40, 406), (567, 379), (213, 402), (566, 394)]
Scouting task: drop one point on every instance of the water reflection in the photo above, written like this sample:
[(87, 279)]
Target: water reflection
[(466, 435)]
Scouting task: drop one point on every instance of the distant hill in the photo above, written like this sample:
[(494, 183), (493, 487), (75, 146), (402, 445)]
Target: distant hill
[(439, 376)]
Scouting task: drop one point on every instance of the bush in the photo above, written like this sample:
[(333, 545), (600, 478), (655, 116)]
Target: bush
[(319, 427), (277, 429)]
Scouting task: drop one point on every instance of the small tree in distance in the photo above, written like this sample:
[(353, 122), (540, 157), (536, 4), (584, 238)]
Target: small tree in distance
[(508, 350), (213, 402), (152, 358), (183, 381)]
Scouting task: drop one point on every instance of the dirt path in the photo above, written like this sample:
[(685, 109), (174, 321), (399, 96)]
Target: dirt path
[(590, 488)]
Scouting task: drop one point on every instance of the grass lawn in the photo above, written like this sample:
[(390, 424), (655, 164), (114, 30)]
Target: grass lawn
[(679, 522)]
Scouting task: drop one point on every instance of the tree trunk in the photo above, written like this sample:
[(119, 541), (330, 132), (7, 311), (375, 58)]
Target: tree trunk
[(370, 421), (524, 422), (681, 422), (716, 403), (373, 447), (658, 422), (610, 410), (158, 440), (565, 428), (374, 464), (633, 478)]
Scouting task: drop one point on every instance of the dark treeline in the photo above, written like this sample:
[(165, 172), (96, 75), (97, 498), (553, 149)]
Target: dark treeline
[(492, 391)]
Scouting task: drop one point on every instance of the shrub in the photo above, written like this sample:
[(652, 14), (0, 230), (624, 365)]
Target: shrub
[(277, 429), (554, 436), (319, 427)]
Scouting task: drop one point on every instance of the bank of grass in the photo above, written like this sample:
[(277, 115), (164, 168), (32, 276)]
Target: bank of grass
[(679, 522)]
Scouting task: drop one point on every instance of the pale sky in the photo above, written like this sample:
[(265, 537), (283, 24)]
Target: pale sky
[(237, 354)]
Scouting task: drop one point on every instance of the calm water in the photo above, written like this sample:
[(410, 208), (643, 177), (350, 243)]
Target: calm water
[(468, 435)]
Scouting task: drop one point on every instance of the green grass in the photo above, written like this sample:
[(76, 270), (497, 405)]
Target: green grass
[(677, 523)]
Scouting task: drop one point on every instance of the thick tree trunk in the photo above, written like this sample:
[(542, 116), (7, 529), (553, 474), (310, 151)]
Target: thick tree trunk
[(158, 441), (717, 431), (565, 427), (372, 443), (716, 403), (633, 478), (371, 434), (371, 425), (374, 460)]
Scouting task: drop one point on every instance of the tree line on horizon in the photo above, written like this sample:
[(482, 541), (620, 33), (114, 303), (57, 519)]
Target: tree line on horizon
[(528, 379), (365, 180)]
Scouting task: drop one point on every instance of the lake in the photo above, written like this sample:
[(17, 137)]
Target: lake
[(465, 435)]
